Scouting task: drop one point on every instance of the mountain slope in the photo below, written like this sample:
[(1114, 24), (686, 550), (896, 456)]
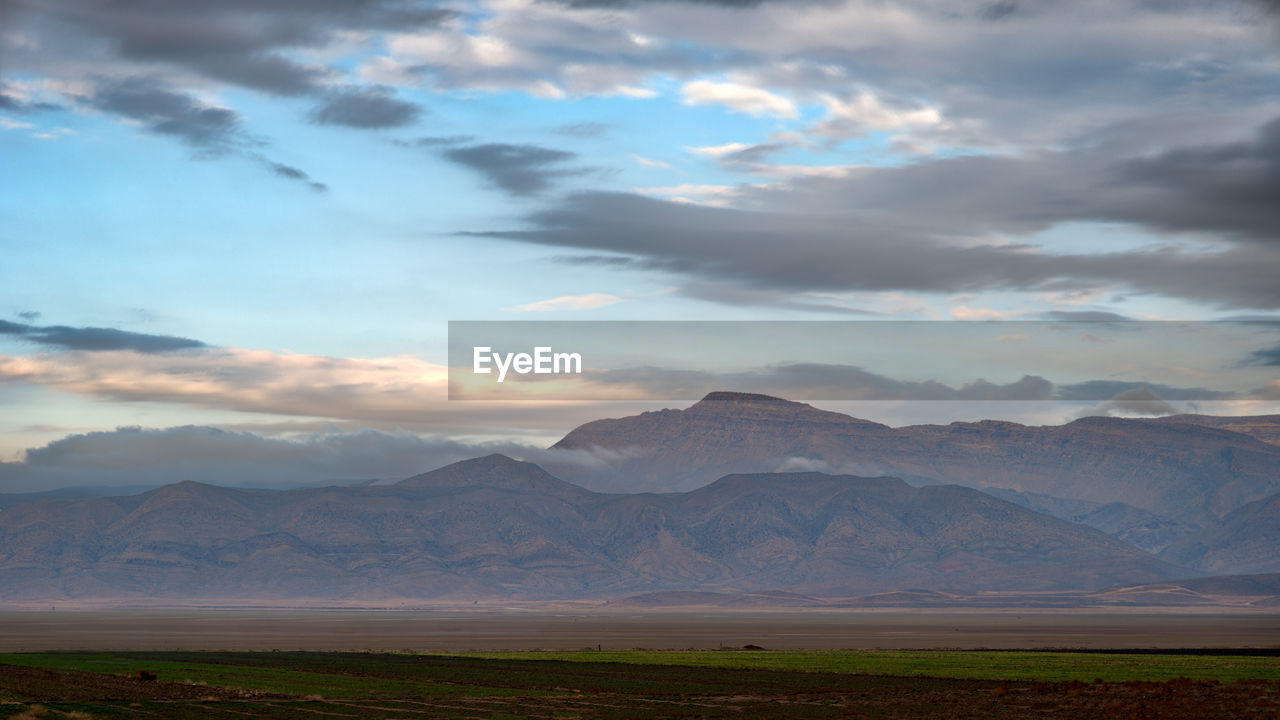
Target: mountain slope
[(1139, 527), (1243, 542), (495, 527), (1263, 427)]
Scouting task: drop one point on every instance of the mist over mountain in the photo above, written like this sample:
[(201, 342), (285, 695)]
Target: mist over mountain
[(496, 527), (1183, 472)]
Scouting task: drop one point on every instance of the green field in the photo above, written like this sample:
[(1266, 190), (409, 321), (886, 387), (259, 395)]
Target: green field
[(967, 664), (633, 684)]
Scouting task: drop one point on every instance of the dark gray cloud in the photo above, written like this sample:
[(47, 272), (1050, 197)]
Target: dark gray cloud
[(1228, 187), (209, 129), (942, 225), (238, 42), (1095, 390), (998, 10), (245, 44), (518, 169), (365, 107), (293, 173), (94, 338), (1269, 357), (436, 141)]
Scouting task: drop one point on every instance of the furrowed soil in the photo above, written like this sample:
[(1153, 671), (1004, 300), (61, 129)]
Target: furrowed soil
[(379, 685)]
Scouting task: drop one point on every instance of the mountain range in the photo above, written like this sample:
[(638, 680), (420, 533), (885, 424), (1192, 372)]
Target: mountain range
[(497, 527), (933, 511), (1186, 472)]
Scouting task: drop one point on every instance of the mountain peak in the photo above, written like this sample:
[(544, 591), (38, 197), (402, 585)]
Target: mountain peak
[(494, 470), (744, 398)]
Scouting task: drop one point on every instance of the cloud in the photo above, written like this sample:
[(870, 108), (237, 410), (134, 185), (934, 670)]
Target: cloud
[(1136, 391), (1134, 401), (545, 50), (293, 173), (435, 141), (738, 97), (589, 301), (732, 4), (717, 151), (714, 195), (812, 381), (365, 107), (650, 162), (864, 112), (136, 457), (518, 169), (251, 45), (1084, 316), (583, 129), (94, 339), (210, 130), (948, 225), (12, 102), (392, 388), (389, 393), (1268, 356)]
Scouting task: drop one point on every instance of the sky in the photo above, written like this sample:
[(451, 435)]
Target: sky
[(232, 235)]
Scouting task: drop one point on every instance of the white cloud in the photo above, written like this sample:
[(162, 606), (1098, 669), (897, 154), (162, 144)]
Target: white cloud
[(718, 150), (964, 312), (53, 134), (9, 124), (569, 302), (714, 195), (649, 162), (795, 171), (739, 97), (864, 112)]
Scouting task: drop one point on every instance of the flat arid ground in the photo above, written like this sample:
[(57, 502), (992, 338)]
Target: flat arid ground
[(710, 684), (457, 631)]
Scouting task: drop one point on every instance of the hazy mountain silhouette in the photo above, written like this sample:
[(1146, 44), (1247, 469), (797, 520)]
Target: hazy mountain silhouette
[(496, 527)]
